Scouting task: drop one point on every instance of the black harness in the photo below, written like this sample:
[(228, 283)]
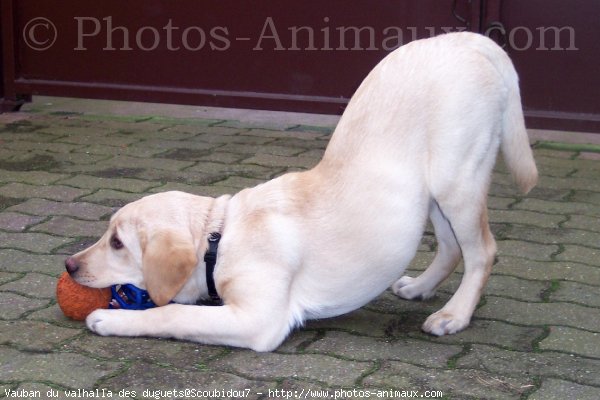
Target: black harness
[(210, 258)]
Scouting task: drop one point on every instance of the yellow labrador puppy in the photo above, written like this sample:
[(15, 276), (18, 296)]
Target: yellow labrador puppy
[(418, 140)]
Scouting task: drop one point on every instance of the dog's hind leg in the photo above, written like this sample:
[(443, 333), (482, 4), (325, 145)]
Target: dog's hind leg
[(471, 228), (445, 261)]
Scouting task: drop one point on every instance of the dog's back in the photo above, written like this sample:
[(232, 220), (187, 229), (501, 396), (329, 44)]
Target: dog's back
[(453, 99)]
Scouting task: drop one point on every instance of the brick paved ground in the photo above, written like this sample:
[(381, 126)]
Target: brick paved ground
[(535, 335)]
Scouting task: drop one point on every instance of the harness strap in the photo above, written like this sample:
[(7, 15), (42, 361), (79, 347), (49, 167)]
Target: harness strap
[(210, 258)]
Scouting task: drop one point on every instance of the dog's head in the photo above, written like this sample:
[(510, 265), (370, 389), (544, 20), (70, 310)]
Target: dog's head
[(154, 243)]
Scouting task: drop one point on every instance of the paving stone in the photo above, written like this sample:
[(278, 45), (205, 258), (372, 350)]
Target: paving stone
[(151, 381), (589, 156), (33, 284), (55, 368), (31, 241), (557, 171), (81, 210), (557, 389), (16, 222), (14, 305), (588, 173), (367, 322), (217, 130), (495, 333), (7, 155), (295, 388), (554, 235), (570, 183), (501, 285), (76, 246), (499, 203), (585, 196), (107, 152), (176, 132), (93, 182), (573, 341), (209, 191), (111, 198), (53, 149), (526, 217), (165, 353), (67, 226), (239, 182), (363, 348), (452, 383), (129, 124), (226, 139), (325, 130), (38, 136), (41, 391), (54, 315), (6, 277), (124, 161), (83, 158), (539, 152), (532, 251), (577, 293), (277, 133), (270, 160), (389, 303), (273, 366), (252, 149), (500, 178), (30, 177), (317, 154), (556, 207), (548, 194), (270, 125), (223, 157), (225, 170), (188, 177), (307, 144), (74, 131), (20, 261), (549, 270), (171, 145), (564, 160), (580, 254), (39, 337), (298, 340), (544, 364), (583, 222), (565, 314), (54, 192), (99, 137)]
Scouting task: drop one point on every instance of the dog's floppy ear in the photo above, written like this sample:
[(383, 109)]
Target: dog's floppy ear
[(168, 260)]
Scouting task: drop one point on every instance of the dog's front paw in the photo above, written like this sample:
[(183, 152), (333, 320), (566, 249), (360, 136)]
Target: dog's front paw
[(107, 322), (408, 289), (444, 323)]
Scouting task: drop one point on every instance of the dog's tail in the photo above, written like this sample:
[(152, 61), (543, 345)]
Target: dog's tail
[(514, 142)]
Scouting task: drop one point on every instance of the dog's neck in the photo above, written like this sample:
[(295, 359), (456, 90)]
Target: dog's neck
[(215, 221)]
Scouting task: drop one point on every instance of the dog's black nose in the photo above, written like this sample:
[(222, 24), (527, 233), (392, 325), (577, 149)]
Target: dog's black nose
[(71, 265)]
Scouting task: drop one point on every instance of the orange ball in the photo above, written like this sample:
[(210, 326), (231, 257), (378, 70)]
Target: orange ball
[(77, 301)]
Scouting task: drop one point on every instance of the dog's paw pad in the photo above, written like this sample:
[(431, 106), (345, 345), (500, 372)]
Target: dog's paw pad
[(444, 323), (406, 288)]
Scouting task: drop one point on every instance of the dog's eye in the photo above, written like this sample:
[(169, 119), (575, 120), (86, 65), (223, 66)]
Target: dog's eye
[(115, 242)]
